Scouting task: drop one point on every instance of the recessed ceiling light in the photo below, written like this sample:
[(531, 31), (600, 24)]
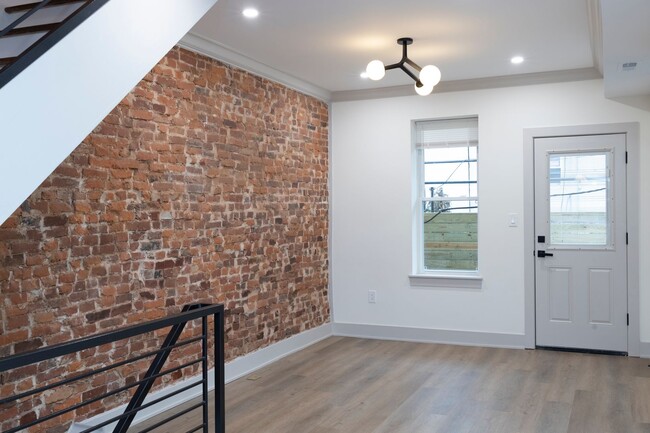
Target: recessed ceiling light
[(517, 60), (364, 74), (251, 13)]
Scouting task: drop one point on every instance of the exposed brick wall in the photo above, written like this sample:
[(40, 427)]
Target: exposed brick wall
[(205, 184)]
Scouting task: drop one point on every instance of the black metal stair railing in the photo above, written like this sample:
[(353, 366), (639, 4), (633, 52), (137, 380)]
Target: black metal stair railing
[(51, 33), (123, 422)]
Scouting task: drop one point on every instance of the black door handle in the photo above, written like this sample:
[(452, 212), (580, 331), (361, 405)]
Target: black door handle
[(541, 253)]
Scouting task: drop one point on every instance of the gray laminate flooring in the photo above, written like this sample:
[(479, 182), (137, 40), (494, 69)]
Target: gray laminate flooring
[(350, 385)]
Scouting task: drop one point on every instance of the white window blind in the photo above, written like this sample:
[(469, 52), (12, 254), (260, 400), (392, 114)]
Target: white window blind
[(447, 133)]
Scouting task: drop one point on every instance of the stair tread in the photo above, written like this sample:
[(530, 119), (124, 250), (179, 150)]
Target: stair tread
[(28, 6), (32, 29), (6, 60)]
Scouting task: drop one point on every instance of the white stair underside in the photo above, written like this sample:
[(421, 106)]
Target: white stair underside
[(48, 109)]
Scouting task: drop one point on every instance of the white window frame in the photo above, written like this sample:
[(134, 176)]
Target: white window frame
[(421, 277)]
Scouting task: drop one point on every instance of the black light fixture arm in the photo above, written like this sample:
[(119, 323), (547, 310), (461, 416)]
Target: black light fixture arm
[(405, 42)]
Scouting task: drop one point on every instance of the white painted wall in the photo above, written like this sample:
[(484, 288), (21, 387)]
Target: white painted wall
[(48, 109), (372, 203)]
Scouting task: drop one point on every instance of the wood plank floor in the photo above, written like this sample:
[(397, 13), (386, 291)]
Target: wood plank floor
[(349, 385)]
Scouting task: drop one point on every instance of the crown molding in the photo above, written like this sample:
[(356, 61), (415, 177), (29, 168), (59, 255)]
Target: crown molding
[(473, 84), (596, 33), (215, 50)]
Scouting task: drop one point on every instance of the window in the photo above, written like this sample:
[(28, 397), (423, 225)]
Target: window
[(447, 194), (579, 198)]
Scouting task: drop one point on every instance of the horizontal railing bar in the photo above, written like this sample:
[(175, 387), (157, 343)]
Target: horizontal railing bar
[(101, 370), (63, 349), (98, 398), (196, 428), (29, 6), (144, 406), (173, 417)]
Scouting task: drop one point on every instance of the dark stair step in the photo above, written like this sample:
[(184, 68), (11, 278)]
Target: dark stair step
[(29, 6), (41, 28), (4, 61)]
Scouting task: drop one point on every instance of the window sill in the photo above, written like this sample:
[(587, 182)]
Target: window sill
[(447, 281)]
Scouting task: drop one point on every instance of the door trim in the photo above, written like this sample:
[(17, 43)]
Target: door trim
[(631, 131)]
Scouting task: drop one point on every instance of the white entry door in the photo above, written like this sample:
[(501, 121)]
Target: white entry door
[(580, 238)]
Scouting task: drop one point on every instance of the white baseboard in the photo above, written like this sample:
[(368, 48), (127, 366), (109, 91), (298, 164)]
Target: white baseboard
[(644, 350), (254, 361), (423, 335), (233, 370)]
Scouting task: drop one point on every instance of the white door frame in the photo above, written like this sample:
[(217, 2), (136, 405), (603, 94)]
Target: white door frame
[(631, 130)]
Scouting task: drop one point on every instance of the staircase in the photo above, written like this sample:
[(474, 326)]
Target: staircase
[(35, 27), (65, 64)]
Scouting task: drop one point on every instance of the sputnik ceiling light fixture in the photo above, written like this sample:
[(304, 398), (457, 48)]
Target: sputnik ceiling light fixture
[(428, 77)]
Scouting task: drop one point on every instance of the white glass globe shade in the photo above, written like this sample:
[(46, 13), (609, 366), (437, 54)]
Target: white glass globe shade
[(376, 70), (425, 90), (430, 75)]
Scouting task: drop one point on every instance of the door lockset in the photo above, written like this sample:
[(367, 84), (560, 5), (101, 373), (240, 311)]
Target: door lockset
[(541, 253)]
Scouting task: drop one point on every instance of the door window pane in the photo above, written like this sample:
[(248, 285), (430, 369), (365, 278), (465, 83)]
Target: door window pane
[(579, 191)]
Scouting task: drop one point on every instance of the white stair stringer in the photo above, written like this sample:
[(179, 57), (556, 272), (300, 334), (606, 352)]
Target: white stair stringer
[(50, 107)]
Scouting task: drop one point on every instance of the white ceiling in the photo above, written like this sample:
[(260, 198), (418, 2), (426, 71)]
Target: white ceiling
[(326, 44), (626, 39)]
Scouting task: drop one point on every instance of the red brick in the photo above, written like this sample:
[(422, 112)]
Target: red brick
[(59, 220)]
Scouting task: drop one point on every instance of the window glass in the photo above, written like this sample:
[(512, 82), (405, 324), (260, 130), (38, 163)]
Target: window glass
[(448, 189), (450, 235), (578, 189)]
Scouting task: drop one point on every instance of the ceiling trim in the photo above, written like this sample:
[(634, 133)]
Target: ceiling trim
[(596, 33), (215, 50), (473, 84)]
